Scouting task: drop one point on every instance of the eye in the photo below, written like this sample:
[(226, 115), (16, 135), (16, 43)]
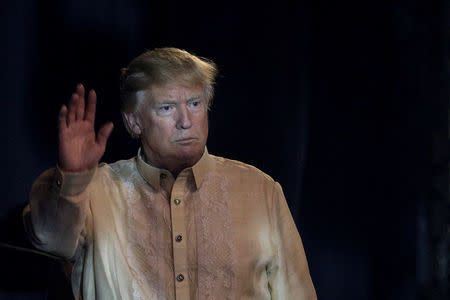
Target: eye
[(195, 104), (165, 110)]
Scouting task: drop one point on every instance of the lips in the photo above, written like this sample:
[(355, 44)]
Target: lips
[(185, 140)]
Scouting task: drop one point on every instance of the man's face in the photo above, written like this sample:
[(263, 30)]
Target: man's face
[(174, 125)]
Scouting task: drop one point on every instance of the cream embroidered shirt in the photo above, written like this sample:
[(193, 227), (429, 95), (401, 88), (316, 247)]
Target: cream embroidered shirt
[(220, 230)]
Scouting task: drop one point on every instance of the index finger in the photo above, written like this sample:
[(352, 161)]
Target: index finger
[(91, 106)]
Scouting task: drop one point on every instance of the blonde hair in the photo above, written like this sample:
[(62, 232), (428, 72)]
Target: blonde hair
[(161, 66)]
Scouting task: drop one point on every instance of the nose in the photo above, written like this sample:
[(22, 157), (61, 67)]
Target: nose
[(184, 118)]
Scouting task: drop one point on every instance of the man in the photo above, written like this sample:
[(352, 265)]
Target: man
[(174, 222)]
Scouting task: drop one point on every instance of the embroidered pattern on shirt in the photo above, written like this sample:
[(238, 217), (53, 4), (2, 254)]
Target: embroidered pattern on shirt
[(217, 265), (149, 257)]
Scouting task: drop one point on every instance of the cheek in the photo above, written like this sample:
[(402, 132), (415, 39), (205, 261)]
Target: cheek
[(204, 125), (159, 129)]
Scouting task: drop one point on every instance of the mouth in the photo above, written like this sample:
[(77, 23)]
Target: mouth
[(185, 141)]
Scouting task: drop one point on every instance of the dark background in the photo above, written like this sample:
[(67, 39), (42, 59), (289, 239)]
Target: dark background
[(345, 104)]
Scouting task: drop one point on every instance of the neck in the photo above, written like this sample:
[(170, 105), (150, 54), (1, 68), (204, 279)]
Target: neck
[(174, 166)]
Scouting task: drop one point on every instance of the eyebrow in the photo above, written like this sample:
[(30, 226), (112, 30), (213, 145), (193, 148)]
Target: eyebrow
[(165, 101), (196, 97), (169, 101)]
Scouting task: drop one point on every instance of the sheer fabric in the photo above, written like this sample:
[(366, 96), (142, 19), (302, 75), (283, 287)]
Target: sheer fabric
[(220, 230)]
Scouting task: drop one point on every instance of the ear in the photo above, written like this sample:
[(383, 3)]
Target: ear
[(132, 124)]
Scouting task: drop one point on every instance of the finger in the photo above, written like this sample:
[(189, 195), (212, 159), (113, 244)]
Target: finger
[(80, 90), (91, 106), (79, 113), (72, 108), (62, 118), (104, 133)]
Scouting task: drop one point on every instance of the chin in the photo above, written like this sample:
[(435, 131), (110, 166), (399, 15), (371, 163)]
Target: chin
[(190, 154)]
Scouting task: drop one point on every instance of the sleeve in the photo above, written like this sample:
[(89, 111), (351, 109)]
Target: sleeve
[(288, 274), (56, 216)]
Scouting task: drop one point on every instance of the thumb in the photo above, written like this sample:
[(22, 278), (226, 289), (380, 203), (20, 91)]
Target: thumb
[(104, 133)]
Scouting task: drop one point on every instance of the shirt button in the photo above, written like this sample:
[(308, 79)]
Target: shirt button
[(179, 238), (58, 183), (177, 201), (163, 176), (180, 277)]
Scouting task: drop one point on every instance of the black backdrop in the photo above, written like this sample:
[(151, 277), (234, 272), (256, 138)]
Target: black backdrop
[(335, 101)]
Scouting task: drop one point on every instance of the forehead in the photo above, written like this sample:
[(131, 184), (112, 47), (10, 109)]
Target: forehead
[(175, 91)]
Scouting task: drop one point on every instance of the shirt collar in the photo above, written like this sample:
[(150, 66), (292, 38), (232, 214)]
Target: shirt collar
[(152, 174), (202, 167)]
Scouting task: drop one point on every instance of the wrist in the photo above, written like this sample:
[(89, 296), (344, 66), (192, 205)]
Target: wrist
[(72, 183)]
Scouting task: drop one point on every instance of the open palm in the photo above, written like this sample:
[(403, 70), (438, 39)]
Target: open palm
[(80, 149)]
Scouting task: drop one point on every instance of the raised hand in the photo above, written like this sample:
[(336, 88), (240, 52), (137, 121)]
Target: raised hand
[(80, 149)]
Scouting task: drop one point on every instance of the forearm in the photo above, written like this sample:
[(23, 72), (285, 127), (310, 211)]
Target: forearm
[(56, 215)]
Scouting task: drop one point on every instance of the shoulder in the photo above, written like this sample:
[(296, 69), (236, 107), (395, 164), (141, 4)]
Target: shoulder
[(122, 168), (240, 170)]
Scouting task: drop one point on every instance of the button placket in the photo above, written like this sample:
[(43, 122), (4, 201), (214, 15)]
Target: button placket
[(177, 208)]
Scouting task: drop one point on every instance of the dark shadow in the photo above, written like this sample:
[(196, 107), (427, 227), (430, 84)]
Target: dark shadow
[(28, 272)]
